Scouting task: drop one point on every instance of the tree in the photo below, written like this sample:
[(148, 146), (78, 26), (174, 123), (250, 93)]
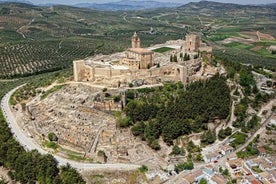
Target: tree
[(192, 148), (208, 137), (154, 144), (255, 89), (175, 58), (70, 175), (225, 172), (52, 136), (124, 122), (3, 182), (143, 169), (223, 133), (177, 150), (138, 129), (203, 181), (184, 166), (246, 79), (117, 98), (228, 131), (186, 57), (130, 85), (171, 111)]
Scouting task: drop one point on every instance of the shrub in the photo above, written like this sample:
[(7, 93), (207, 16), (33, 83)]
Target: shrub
[(52, 136), (143, 169), (184, 166), (124, 122)]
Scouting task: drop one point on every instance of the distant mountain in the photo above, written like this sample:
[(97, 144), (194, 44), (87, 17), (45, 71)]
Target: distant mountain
[(210, 8), (16, 1), (212, 5), (272, 5), (128, 5)]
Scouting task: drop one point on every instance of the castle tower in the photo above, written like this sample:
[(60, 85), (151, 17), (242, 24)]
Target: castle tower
[(135, 41), (192, 43)]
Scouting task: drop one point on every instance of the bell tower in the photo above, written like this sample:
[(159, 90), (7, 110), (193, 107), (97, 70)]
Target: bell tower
[(135, 41)]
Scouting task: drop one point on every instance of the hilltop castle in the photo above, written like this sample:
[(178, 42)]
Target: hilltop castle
[(138, 65), (137, 57)]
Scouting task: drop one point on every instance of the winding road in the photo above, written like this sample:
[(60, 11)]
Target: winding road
[(29, 144)]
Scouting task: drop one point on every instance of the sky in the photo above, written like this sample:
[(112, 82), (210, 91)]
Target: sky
[(70, 2)]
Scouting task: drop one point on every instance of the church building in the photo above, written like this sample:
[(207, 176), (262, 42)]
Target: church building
[(137, 57)]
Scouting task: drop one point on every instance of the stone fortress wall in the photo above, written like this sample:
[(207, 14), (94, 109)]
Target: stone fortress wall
[(138, 63)]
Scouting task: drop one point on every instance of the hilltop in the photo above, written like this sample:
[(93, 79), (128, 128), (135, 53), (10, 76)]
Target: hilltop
[(49, 38), (128, 5)]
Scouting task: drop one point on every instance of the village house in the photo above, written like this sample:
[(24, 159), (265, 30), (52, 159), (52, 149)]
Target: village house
[(235, 167)]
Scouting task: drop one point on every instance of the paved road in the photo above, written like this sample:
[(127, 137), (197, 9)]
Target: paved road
[(29, 144), (259, 131)]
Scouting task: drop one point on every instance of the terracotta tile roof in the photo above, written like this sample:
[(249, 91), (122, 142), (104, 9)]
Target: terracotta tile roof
[(219, 179), (262, 150)]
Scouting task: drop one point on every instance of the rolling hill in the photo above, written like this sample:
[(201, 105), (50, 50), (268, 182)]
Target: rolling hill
[(128, 5), (37, 39)]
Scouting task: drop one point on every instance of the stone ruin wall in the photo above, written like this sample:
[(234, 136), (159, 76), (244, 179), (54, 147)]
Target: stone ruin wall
[(108, 105), (107, 75)]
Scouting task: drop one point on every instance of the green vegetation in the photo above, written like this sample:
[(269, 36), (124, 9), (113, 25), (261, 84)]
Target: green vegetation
[(52, 43), (52, 136), (244, 56), (50, 144), (78, 158), (184, 166), (192, 148), (123, 122), (163, 49), (170, 111), (52, 90), (177, 150), (224, 172), (250, 150), (256, 169), (186, 57), (143, 169), (51, 40), (223, 133), (203, 181), (39, 57), (29, 167), (253, 123), (208, 137), (30, 89), (239, 139), (102, 154), (70, 175), (238, 45)]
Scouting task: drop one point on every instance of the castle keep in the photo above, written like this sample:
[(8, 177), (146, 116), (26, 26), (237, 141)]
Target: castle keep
[(192, 43), (141, 65)]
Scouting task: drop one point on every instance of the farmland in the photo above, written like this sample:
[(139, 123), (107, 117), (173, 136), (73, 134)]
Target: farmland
[(36, 40)]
